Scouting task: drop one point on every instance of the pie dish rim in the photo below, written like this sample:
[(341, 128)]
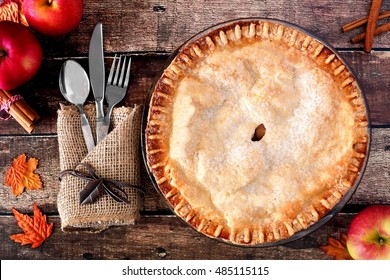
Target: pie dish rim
[(336, 208)]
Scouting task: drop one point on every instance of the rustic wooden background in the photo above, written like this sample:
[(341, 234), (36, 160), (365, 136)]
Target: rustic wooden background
[(149, 31)]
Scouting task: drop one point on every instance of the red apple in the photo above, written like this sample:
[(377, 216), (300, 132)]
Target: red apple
[(53, 17), (20, 55), (369, 234)]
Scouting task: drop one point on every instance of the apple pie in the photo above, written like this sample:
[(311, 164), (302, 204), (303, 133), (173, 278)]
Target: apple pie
[(255, 131)]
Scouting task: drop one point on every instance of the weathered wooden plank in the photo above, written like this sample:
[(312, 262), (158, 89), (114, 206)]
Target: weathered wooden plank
[(372, 70), (373, 188), (157, 237), (44, 96), (46, 150), (164, 25)]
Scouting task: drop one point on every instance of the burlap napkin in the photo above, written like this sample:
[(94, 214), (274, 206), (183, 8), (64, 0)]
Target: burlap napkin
[(116, 157)]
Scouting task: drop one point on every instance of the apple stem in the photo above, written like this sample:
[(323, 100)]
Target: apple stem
[(381, 241), (3, 53), (50, 2)]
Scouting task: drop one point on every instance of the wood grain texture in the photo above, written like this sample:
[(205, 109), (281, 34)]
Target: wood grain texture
[(150, 31), (164, 25), (159, 237), (43, 93), (373, 71), (373, 188)]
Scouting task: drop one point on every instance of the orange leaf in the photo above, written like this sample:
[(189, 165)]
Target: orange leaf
[(21, 175), (36, 230), (337, 248), (12, 10)]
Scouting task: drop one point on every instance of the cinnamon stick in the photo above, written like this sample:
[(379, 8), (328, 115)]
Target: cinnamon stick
[(28, 127), (359, 22), (379, 30), (371, 24), (23, 106), (17, 110)]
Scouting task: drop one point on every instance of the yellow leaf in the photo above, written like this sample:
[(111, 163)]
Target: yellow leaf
[(21, 175)]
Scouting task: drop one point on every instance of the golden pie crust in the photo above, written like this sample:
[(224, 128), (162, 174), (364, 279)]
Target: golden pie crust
[(204, 111)]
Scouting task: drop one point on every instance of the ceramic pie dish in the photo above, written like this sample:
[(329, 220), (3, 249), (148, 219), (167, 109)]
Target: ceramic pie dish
[(256, 132)]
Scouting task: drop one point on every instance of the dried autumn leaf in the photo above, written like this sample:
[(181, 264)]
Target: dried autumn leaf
[(12, 10), (21, 175), (36, 230), (337, 248)]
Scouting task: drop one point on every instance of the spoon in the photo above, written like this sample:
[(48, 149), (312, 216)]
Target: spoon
[(74, 86)]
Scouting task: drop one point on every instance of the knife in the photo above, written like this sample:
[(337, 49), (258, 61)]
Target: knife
[(97, 76)]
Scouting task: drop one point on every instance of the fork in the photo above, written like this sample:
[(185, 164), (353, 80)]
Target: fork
[(117, 83)]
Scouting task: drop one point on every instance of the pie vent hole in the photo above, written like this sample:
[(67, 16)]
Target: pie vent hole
[(259, 133)]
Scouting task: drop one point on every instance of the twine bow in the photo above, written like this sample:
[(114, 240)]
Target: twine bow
[(6, 106), (96, 186)]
